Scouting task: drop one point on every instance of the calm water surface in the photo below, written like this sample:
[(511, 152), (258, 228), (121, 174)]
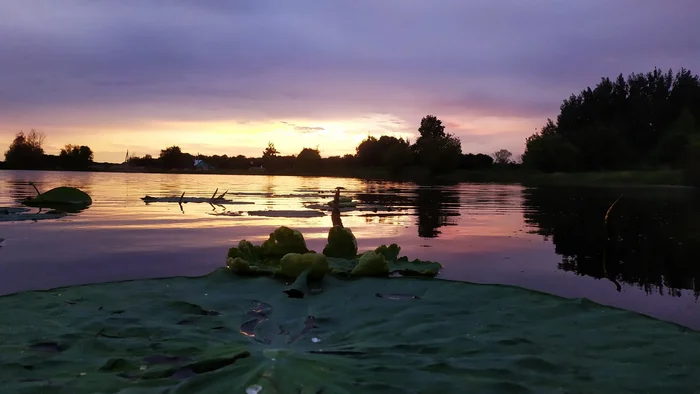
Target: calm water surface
[(547, 239)]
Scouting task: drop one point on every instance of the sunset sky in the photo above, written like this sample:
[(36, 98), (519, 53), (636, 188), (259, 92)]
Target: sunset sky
[(227, 76)]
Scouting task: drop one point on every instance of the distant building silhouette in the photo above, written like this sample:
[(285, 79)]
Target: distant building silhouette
[(202, 165)]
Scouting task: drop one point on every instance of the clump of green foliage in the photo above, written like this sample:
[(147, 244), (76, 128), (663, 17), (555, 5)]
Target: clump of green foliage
[(284, 240), (341, 243), (371, 264), (285, 254), (293, 264)]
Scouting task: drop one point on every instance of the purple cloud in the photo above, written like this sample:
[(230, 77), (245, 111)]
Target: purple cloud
[(303, 129), (129, 62)]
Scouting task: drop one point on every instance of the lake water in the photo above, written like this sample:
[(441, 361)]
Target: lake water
[(547, 239)]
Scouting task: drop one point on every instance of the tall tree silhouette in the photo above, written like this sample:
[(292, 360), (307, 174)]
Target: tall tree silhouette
[(436, 150), (173, 157), (25, 151), (644, 120), (76, 157)]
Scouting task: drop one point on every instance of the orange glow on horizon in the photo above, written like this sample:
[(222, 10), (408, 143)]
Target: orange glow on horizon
[(235, 137)]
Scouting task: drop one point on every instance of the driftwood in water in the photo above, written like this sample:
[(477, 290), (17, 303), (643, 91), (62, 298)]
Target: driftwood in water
[(214, 199)]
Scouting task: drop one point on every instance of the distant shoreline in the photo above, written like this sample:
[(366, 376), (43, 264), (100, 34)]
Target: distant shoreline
[(500, 176)]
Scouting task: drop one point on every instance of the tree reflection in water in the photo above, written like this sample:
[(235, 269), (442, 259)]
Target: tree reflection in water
[(434, 206), (653, 241)]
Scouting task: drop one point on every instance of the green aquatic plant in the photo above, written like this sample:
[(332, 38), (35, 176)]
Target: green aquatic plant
[(390, 252), (221, 333), (282, 241), (247, 259), (69, 199), (341, 242), (371, 264), (19, 214), (22, 217), (12, 210), (293, 264)]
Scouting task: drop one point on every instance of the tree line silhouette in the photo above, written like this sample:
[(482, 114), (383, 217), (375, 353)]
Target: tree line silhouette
[(26, 152), (435, 150), (644, 121)]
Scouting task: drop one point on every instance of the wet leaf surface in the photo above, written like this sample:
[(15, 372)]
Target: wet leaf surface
[(370, 335)]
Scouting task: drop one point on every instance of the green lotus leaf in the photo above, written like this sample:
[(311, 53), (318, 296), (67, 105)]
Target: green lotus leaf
[(60, 196), (19, 217), (226, 333), (12, 210), (415, 267)]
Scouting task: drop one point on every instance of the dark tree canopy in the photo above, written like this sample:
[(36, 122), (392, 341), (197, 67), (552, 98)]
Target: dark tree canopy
[(431, 127), (26, 151), (308, 158), (173, 157), (502, 156), (386, 151), (309, 154), (646, 120), (76, 157), (479, 161), (270, 151), (436, 150)]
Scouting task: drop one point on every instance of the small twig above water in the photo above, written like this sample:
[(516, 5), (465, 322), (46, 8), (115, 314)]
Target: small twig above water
[(608, 241), (607, 213), (38, 193)]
